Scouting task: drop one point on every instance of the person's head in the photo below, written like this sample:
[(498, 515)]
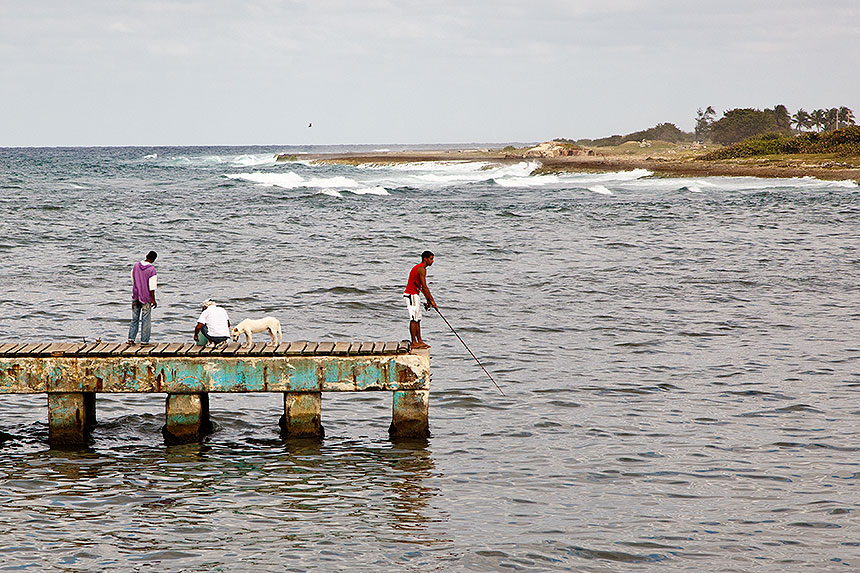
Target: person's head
[(427, 258), (151, 256), (207, 303)]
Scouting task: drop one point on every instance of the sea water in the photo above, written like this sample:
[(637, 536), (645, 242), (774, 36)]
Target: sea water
[(679, 359)]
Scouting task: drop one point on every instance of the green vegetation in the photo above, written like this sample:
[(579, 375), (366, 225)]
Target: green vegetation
[(844, 142), (739, 124), (660, 132)]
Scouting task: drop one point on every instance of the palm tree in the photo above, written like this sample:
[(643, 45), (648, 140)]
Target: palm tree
[(832, 122), (801, 120), (846, 116), (818, 118)]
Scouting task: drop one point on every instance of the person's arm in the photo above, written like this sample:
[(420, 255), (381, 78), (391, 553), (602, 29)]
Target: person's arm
[(422, 278), (153, 285), (197, 329)]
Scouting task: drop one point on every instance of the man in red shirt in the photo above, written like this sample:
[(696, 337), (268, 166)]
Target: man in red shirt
[(417, 284)]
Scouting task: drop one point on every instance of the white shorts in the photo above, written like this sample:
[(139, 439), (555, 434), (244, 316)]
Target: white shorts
[(413, 305)]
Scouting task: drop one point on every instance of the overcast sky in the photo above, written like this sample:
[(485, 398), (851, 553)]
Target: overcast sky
[(123, 72)]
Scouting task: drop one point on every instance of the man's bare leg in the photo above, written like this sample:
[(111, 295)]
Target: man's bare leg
[(415, 332)]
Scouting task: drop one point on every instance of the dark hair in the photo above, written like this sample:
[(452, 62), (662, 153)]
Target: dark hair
[(426, 254), (151, 256)]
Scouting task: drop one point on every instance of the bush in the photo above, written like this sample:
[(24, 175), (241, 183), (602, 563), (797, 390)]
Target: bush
[(844, 141)]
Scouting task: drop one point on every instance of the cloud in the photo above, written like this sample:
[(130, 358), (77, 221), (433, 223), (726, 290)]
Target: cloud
[(120, 28)]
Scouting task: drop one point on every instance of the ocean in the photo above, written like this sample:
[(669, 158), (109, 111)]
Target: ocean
[(679, 360)]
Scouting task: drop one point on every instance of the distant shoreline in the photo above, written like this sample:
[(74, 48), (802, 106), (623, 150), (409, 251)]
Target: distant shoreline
[(679, 166)]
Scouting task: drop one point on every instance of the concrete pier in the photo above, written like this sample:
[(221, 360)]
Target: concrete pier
[(302, 415), (71, 416), (410, 414), (186, 418), (71, 374)]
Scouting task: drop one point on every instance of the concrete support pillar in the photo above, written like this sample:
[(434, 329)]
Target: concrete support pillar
[(90, 408), (187, 418), (71, 416), (410, 414), (302, 417)]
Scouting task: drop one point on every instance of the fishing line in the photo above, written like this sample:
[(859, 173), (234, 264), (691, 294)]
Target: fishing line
[(469, 349)]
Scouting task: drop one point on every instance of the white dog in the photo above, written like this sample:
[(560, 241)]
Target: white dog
[(249, 326)]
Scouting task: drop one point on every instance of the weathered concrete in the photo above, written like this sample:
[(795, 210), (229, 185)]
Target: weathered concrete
[(71, 416), (409, 414), (192, 374), (187, 418), (72, 378), (302, 415)]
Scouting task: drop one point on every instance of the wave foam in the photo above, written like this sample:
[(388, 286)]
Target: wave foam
[(600, 190), (329, 185), (254, 160)]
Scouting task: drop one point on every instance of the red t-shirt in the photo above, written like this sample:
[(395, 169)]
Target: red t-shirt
[(413, 285)]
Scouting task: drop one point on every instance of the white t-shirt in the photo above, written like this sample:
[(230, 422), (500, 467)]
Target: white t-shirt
[(217, 321)]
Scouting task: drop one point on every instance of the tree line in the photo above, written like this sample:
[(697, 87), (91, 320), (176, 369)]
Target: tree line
[(742, 123)]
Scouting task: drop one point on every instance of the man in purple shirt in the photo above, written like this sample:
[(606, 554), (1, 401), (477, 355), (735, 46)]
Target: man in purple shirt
[(144, 283)]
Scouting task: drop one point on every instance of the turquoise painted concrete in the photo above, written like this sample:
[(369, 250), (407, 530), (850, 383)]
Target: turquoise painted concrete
[(177, 374)]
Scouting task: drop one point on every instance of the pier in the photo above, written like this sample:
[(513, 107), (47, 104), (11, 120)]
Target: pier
[(72, 374)]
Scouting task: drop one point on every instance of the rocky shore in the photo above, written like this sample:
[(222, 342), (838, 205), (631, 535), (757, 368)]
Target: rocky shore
[(672, 164)]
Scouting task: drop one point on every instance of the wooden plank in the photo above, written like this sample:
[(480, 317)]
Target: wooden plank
[(40, 350), (89, 349), (14, 349), (76, 348), (160, 349), (403, 346), (243, 350), (195, 350), (378, 347), (101, 349), (231, 349), (341, 348), (296, 347), (311, 348), (325, 348), (172, 348), (209, 350), (27, 348), (269, 348), (282, 348), (148, 349), (129, 349), (390, 348), (8, 347), (354, 347), (257, 348), (365, 348), (58, 349), (219, 348), (186, 348), (114, 348)]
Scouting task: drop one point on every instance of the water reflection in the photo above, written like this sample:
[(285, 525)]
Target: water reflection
[(307, 496)]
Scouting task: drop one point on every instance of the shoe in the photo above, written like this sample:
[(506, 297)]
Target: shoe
[(147, 344), (130, 342)]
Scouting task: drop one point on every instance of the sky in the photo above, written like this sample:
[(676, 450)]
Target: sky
[(218, 72)]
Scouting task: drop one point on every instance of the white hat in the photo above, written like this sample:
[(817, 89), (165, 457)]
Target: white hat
[(207, 303)]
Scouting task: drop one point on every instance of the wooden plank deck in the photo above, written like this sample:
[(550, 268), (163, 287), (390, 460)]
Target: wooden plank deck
[(190, 349)]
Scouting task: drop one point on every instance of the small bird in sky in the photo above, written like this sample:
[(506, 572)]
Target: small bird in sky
[(310, 124)]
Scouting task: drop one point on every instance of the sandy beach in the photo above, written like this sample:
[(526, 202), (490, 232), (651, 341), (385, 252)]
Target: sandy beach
[(672, 164)]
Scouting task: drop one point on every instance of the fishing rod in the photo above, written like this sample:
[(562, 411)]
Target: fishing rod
[(469, 349)]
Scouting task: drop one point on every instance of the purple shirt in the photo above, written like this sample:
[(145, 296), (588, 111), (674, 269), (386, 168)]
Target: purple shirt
[(142, 276)]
